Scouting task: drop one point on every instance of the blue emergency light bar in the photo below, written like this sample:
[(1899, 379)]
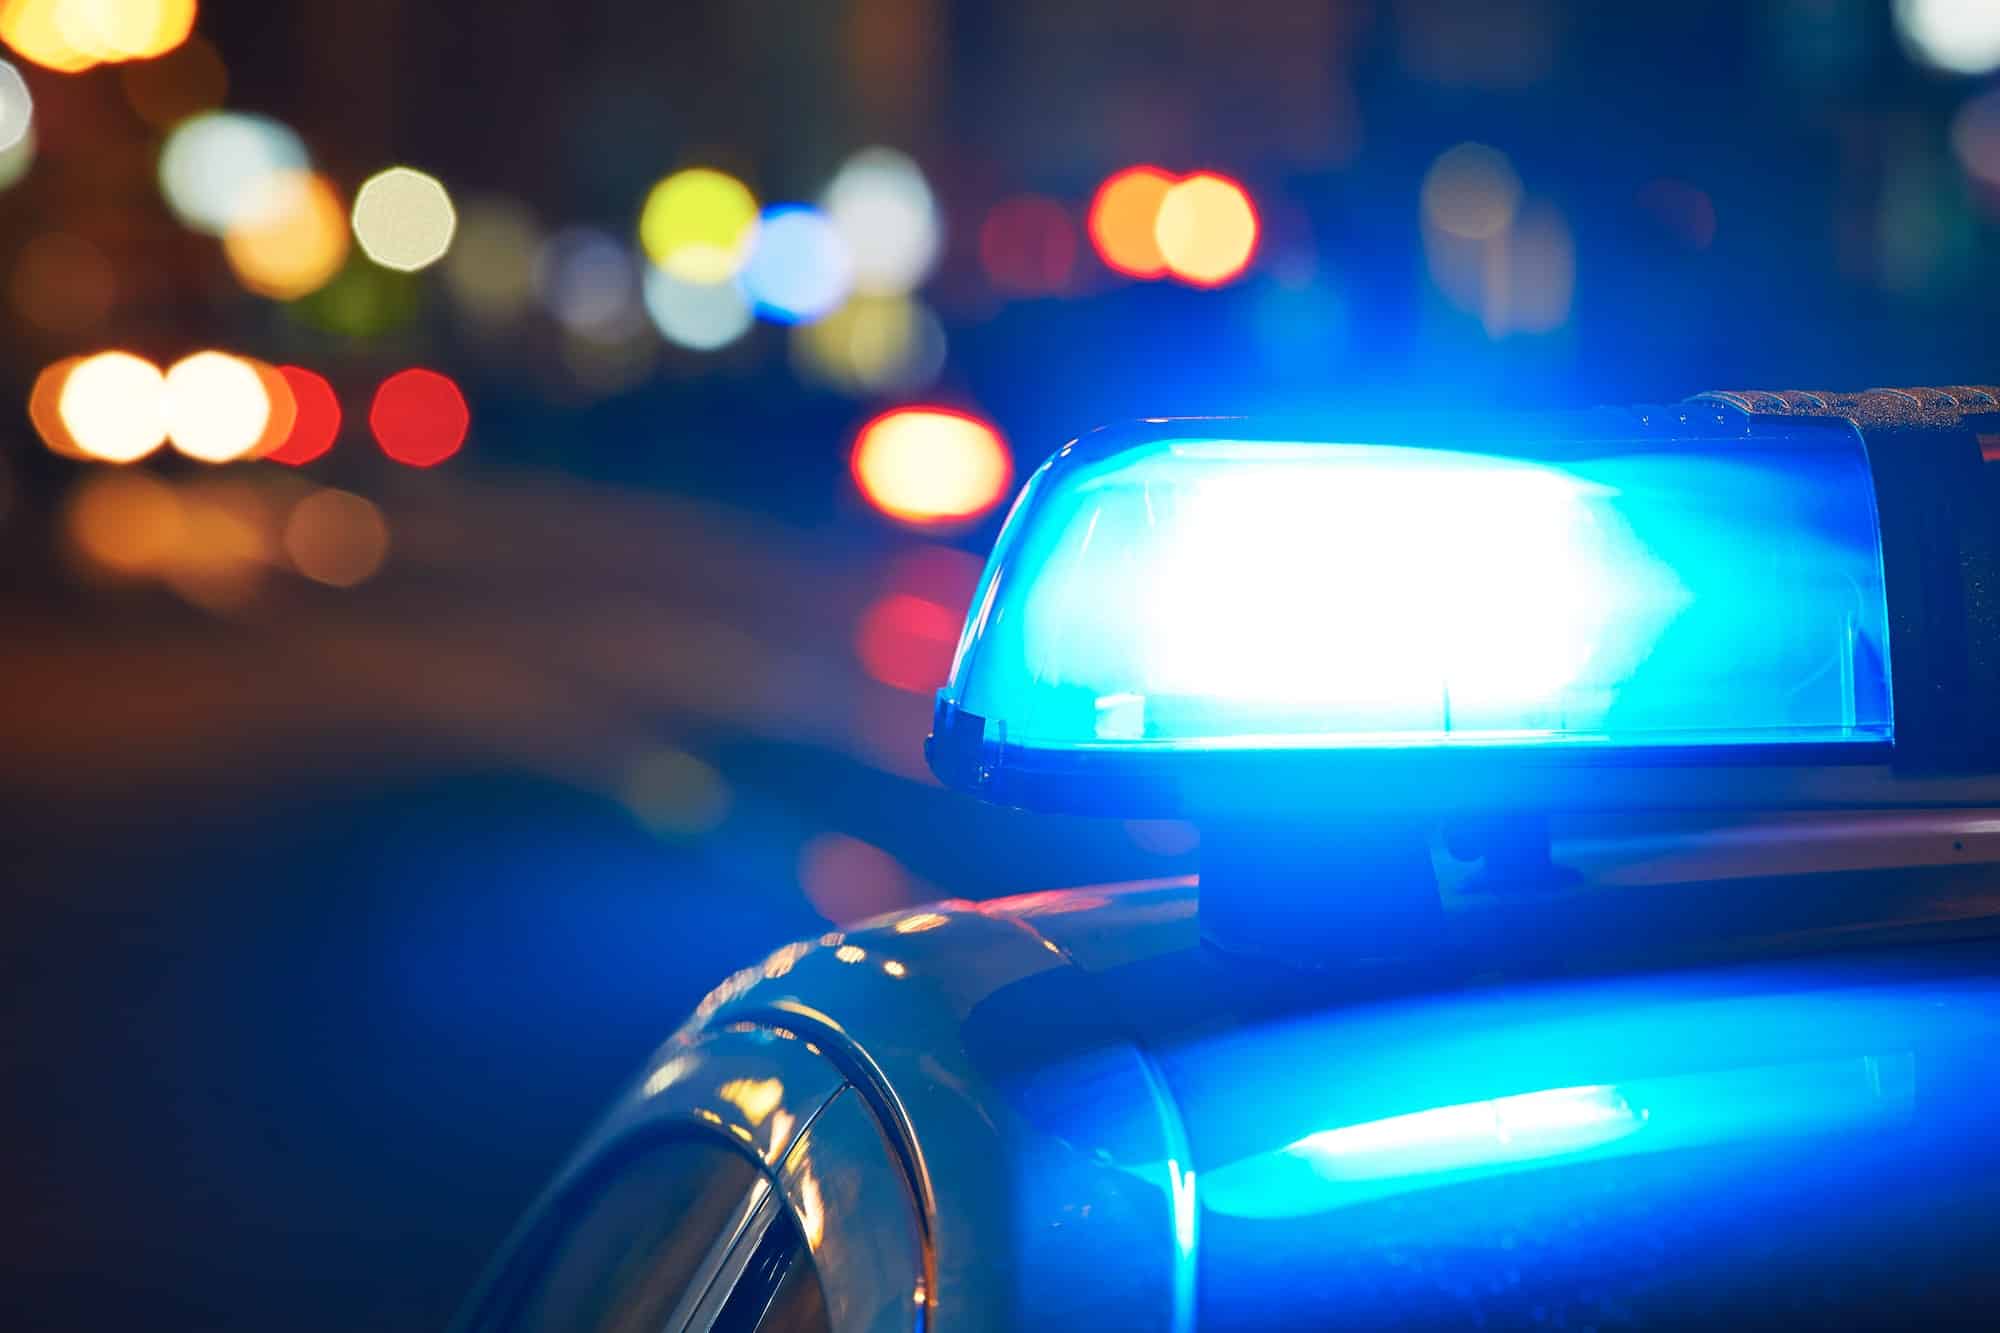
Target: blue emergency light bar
[(1180, 608)]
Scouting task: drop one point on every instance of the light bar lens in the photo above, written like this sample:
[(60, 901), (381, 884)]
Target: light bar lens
[(1214, 593)]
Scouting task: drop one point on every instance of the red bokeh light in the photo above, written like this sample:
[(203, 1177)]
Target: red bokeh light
[(1028, 244), (907, 642), (317, 424), (419, 417), (846, 879)]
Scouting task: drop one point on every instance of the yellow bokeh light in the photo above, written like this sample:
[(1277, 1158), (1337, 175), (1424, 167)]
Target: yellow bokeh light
[(114, 406), (217, 407), (698, 225), (1206, 229), (291, 240), (38, 30), (872, 344), (336, 537), (404, 219), (111, 30), (931, 464), (128, 523)]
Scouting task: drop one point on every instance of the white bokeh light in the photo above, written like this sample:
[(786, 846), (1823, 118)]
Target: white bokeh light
[(1959, 36), (700, 316), (883, 209), (215, 167)]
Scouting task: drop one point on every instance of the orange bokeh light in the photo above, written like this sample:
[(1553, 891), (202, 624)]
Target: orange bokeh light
[(316, 421), (1124, 216), (931, 465), (293, 239), (45, 408), (1207, 229)]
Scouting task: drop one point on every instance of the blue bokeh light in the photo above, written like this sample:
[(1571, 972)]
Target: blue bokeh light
[(799, 270)]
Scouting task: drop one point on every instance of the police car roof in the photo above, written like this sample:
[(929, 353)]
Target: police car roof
[(1105, 1120)]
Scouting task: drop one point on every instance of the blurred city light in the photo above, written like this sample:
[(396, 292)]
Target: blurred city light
[(62, 283), (490, 267), (931, 465), (419, 417), (17, 107), (216, 407), (227, 539), (15, 161), (907, 642), (699, 316), (404, 219), (35, 29), (1207, 229), (290, 239), (284, 414), (317, 421), (215, 168), (1530, 276), (128, 523), (185, 82), (846, 879), (114, 406), (1027, 245), (1957, 36), (1124, 221), (699, 225), (335, 537), (1471, 192), (873, 344), (588, 280), (675, 794), (799, 269), (113, 30), (45, 408), (886, 215)]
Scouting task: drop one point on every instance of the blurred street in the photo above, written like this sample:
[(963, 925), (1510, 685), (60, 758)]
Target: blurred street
[(488, 492)]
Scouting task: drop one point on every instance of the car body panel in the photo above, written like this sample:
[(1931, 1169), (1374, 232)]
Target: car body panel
[(1630, 1101)]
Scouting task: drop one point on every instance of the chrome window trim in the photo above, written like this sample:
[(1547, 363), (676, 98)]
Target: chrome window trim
[(854, 1206), (716, 1280)]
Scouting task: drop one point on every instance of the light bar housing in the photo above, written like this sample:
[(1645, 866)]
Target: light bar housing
[(1744, 600)]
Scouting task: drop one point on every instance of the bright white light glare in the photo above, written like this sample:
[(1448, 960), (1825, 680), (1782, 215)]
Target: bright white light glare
[(404, 219), (588, 280), (1488, 587), (17, 107), (216, 407), (799, 268), (1524, 1128), (885, 213), (1959, 36), (700, 316), (1239, 594), (215, 167), (114, 405)]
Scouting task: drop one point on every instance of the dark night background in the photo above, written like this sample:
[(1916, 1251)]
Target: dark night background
[(330, 915)]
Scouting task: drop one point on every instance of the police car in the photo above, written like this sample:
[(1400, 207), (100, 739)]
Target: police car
[(1596, 925)]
